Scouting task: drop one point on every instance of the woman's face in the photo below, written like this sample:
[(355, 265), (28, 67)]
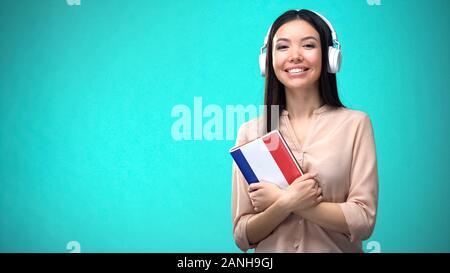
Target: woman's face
[(297, 55)]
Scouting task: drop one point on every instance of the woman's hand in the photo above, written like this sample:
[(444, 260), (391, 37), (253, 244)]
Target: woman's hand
[(263, 194), (303, 193)]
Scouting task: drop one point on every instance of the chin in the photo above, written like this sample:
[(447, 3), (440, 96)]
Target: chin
[(298, 85)]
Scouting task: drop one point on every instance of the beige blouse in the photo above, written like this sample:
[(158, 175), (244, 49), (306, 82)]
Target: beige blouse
[(340, 148)]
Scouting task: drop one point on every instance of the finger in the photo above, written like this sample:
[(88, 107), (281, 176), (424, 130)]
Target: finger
[(310, 183), (319, 192), (255, 195), (251, 195), (304, 177), (254, 187), (307, 176), (319, 199), (314, 181)]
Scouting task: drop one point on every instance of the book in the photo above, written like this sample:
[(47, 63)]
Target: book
[(268, 159)]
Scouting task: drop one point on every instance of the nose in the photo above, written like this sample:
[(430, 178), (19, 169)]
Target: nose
[(295, 57)]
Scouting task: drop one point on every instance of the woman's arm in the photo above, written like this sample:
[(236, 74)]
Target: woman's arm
[(327, 215), (302, 193), (260, 225)]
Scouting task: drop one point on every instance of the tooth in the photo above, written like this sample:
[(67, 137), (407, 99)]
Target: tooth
[(296, 70)]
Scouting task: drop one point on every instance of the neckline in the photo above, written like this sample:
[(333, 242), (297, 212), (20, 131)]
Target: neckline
[(317, 111)]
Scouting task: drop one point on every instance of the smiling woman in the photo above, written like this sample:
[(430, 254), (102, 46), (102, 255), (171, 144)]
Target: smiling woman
[(332, 207), (302, 66)]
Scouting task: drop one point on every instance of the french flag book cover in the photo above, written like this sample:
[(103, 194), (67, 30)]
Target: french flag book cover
[(267, 158)]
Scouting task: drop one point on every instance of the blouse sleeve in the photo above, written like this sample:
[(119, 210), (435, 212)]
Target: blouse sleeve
[(241, 207), (361, 205)]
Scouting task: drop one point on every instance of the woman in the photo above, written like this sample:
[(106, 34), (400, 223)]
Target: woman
[(332, 207)]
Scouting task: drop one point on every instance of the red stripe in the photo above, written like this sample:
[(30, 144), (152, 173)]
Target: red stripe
[(281, 155)]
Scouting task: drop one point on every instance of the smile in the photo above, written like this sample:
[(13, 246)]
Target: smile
[(296, 70)]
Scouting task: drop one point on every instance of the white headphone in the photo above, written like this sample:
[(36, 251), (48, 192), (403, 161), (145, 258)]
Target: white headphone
[(334, 52)]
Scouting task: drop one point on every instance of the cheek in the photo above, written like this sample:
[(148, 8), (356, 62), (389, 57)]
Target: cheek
[(277, 60), (314, 58)]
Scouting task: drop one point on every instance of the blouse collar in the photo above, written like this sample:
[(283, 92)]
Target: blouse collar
[(317, 111)]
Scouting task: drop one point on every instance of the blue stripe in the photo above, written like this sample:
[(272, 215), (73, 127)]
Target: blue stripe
[(245, 168)]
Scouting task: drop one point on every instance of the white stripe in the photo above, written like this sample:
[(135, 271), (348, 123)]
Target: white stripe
[(262, 163)]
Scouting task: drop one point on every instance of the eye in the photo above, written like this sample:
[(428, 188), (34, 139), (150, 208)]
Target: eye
[(309, 46), (279, 47)]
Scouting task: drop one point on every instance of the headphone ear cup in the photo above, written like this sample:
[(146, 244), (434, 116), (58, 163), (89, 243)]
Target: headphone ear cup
[(334, 60), (262, 63)]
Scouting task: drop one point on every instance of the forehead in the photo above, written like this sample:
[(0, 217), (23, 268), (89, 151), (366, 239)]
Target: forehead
[(296, 30)]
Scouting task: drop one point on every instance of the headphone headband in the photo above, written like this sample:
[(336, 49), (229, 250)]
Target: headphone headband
[(333, 32)]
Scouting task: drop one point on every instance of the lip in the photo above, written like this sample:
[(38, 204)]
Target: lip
[(296, 66), (296, 75)]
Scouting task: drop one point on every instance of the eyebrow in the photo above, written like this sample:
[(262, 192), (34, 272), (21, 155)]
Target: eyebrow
[(303, 39)]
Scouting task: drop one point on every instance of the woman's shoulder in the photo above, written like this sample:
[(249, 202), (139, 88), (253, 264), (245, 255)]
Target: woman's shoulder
[(250, 130), (348, 114), (349, 121)]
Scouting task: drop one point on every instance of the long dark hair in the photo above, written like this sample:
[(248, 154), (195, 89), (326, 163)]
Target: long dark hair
[(274, 91)]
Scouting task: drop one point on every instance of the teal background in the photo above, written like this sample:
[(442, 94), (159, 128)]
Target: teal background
[(86, 92)]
